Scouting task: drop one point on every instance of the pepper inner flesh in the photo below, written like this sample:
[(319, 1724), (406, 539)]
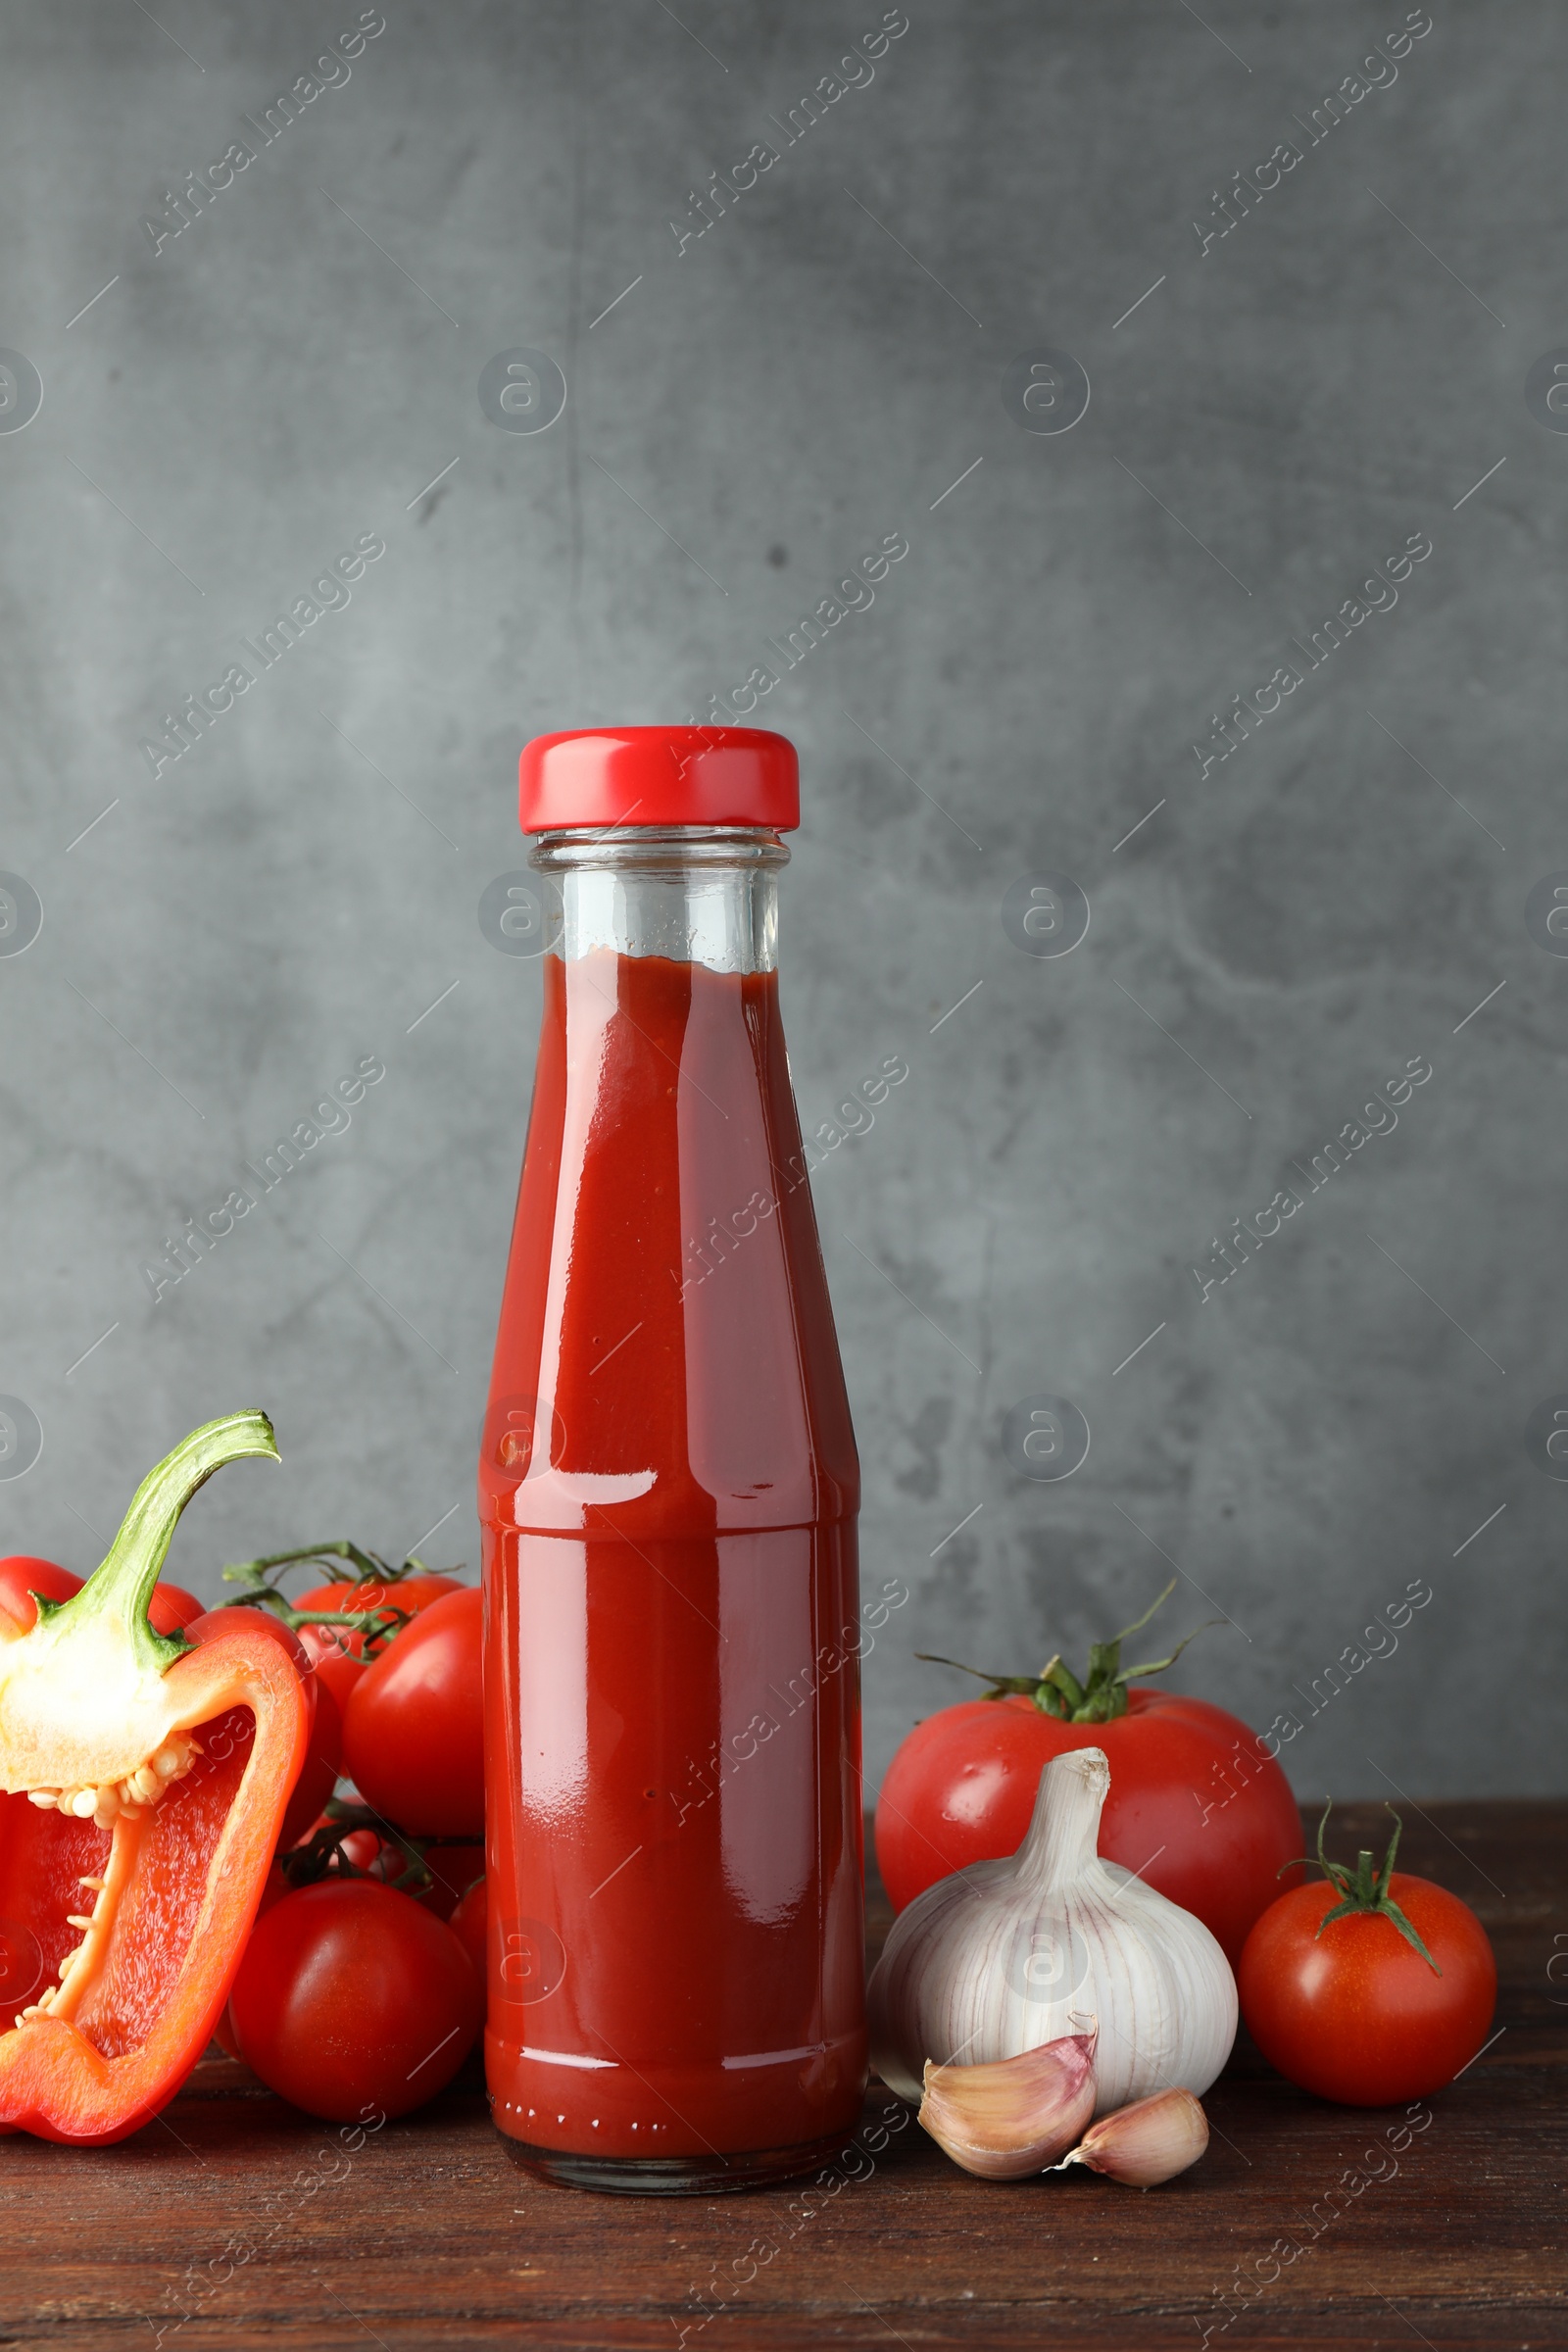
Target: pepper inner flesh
[(100, 1889)]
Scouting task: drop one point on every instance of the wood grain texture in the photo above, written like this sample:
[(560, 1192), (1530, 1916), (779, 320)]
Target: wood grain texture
[(235, 2222)]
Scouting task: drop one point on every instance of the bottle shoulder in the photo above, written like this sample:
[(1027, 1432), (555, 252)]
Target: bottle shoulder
[(666, 1352)]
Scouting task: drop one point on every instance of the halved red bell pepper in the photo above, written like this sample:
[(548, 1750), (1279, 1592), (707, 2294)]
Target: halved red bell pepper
[(144, 1782)]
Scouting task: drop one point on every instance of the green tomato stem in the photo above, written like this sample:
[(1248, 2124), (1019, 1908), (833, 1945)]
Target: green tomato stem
[(1366, 1888), (1057, 1690)]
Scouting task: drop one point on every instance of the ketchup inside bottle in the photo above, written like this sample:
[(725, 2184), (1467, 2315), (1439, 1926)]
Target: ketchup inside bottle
[(669, 1487)]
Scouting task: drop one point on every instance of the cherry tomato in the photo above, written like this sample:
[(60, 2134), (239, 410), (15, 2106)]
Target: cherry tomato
[(453, 1866), (413, 1733), (351, 2000), (20, 1577), (333, 1672), (172, 1608), (1356, 2014), (274, 1888), (364, 1849), (469, 1921), (411, 1594), (319, 1773), (1195, 1806), (338, 1666)]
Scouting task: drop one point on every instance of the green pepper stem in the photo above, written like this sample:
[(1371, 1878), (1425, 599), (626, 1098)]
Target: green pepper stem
[(121, 1586)]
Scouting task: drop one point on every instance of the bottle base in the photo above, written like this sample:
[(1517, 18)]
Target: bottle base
[(672, 2175)]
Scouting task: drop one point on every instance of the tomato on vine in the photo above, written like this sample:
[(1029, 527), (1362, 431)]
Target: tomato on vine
[(336, 1629), (367, 1586), (350, 1840), (414, 1729)]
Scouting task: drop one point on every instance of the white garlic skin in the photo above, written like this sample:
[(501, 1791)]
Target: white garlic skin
[(1005, 1955)]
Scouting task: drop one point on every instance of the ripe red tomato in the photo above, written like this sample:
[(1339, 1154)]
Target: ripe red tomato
[(1356, 2014), (351, 2000), (468, 1925), (362, 1848), (414, 1731), (274, 1888), (20, 1577), (337, 1665), (172, 1608), (1195, 1806), (333, 1672), (411, 1594)]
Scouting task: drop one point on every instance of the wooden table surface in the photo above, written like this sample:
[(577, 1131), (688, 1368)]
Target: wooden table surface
[(235, 2220)]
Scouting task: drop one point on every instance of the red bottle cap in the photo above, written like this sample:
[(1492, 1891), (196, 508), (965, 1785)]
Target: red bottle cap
[(659, 776)]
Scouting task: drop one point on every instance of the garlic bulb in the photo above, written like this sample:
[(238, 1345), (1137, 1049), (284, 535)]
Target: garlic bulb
[(1016, 2117), (1005, 1955), (1141, 2145)]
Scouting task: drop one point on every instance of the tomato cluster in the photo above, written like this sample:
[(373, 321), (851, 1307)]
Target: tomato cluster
[(354, 1993)]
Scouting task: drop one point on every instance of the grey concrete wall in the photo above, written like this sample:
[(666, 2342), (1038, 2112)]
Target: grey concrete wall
[(1275, 407)]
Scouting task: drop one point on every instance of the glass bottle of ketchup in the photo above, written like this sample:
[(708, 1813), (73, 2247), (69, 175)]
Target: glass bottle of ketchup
[(668, 1488)]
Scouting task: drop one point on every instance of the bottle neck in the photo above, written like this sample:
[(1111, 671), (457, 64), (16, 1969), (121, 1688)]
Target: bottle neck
[(693, 894)]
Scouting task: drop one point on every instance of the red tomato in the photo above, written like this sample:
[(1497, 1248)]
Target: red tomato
[(20, 1577), (414, 1733), (1195, 1806), (468, 1925), (411, 1594), (333, 1672), (360, 1847), (1356, 2014), (364, 1848), (319, 1773), (172, 1608), (274, 1888), (351, 2000), (337, 1667)]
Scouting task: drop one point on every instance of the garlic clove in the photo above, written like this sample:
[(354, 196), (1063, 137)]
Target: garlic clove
[(1145, 2144), (1017, 2114)]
